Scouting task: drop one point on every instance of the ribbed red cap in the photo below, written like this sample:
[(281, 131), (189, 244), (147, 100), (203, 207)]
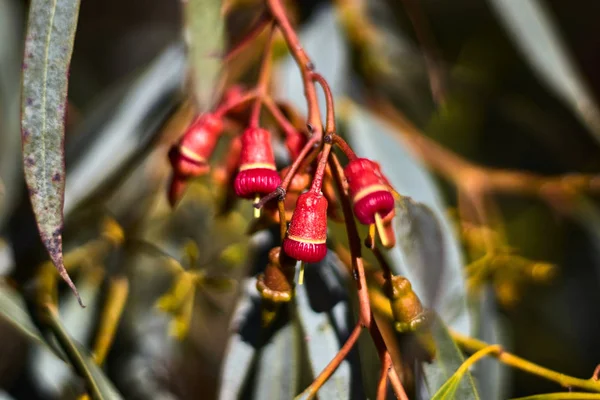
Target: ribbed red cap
[(257, 172), (368, 189), (307, 234)]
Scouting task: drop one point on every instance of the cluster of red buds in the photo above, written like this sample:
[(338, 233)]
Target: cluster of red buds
[(251, 171)]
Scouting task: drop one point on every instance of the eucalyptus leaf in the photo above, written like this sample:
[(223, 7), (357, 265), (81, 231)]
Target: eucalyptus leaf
[(322, 310), (242, 344), (421, 241), (48, 49), (448, 359), (14, 311), (278, 366), (127, 118), (51, 374), (373, 139), (536, 35), (98, 386), (11, 51), (5, 396), (204, 31), (493, 377)]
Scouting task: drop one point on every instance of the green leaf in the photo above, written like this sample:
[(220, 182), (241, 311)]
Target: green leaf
[(372, 138), (13, 310), (11, 52), (48, 47), (53, 374), (204, 27), (536, 35), (98, 386), (439, 375), (562, 396)]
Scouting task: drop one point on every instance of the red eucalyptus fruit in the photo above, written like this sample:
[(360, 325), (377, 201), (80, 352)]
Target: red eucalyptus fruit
[(307, 234), (369, 190), (295, 143), (189, 157), (299, 184), (257, 173)]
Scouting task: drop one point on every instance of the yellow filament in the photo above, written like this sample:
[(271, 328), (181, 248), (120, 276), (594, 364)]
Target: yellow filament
[(301, 274), (381, 229), (256, 210)]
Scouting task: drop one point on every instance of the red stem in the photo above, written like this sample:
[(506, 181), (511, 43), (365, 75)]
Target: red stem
[(263, 80), (304, 63), (330, 124), (260, 24)]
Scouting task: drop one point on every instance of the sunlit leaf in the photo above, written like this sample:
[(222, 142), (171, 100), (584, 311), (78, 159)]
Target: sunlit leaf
[(371, 138), (48, 48), (448, 359), (204, 31), (540, 42)]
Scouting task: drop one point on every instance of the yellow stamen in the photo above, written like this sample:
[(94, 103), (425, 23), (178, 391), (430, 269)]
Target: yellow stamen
[(256, 210), (381, 229), (301, 274)]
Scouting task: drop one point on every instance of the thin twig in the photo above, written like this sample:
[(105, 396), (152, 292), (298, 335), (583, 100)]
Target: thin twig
[(311, 391)]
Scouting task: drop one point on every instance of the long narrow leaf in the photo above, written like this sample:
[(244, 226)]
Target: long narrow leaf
[(448, 360), (204, 26), (48, 47), (536, 35)]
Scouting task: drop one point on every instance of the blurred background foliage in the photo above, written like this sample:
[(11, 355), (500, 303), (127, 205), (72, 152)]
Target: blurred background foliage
[(126, 106)]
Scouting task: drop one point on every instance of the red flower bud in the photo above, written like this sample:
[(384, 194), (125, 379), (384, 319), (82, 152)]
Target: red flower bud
[(232, 96), (299, 183), (307, 233), (189, 157), (295, 143), (369, 190), (257, 173)]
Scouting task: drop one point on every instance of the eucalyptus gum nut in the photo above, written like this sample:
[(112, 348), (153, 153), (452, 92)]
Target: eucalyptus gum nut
[(307, 234), (369, 190), (257, 173)]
